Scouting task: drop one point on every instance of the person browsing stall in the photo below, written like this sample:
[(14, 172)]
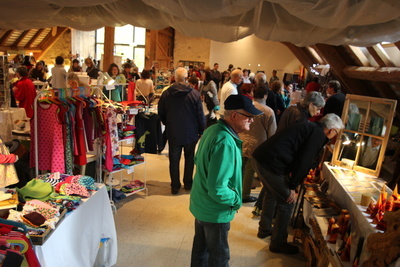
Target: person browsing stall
[(282, 162)]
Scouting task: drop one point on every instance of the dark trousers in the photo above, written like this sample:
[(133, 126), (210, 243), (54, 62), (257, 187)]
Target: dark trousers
[(175, 152), (210, 244), (277, 191), (248, 174)]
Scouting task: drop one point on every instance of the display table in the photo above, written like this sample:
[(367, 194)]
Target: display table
[(75, 241), (7, 118), (346, 188)]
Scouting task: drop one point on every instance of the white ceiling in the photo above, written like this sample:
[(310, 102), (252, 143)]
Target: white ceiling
[(301, 22)]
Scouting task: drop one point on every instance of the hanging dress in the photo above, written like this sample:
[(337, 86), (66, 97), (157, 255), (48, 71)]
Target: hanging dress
[(50, 139)]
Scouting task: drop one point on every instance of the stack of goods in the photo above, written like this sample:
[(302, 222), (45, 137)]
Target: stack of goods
[(126, 131), (312, 177), (134, 186), (127, 161), (318, 199), (37, 216), (62, 190), (15, 246), (46, 199), (342, 228), (384, 203)]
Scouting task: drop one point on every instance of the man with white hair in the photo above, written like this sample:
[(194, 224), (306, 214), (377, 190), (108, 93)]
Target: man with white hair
[(230, 88), (282, 162), (181, 112)]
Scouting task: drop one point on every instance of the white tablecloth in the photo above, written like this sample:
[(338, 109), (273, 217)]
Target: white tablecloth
[(7, 118), (75, 242)]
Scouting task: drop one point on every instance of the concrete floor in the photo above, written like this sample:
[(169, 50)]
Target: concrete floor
[(157, 230)]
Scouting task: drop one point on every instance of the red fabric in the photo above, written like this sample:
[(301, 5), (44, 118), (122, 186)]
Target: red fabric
[(29, 254), (7, 158), (108, 162), (131, 103), (131, 91), (80, 159), (50, 144), (312, 86), (25, 93)]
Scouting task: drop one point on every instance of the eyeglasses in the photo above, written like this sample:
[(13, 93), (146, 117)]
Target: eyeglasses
[(250, 117), (335, 130)]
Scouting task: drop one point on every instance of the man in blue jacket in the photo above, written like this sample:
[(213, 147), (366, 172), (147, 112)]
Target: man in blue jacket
[(217, 187), (181, 112)]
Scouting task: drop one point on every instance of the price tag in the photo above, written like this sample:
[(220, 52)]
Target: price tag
[(130, 170), (129, 141), (133, 111), (110, 87)]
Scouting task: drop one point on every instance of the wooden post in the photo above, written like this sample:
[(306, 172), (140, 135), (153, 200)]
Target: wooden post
[(108, 58)]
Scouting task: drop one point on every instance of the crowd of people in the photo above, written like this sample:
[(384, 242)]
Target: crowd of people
[(274, 140), (260, 132)]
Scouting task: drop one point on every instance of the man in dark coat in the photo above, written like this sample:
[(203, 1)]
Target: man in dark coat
[(282, 162), (181, 112), (336, 99)]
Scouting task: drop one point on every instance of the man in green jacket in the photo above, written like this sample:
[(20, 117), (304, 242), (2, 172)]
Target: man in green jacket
[(217, 187)]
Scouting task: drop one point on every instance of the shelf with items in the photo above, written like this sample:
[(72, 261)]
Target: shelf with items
[(5, 96), (162, 80), (127, 158)]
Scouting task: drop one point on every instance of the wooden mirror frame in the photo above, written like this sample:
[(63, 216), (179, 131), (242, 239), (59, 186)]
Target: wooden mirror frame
[(388, 120)]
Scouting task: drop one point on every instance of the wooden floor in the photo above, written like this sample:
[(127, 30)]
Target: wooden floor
[(157, 230)]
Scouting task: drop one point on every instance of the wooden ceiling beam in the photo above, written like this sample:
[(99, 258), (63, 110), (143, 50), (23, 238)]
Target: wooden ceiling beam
[(5, 37), (20, 48), (33, 39), (386, 74), (357, 55), (383, 80), (380, 56), (302, 54), (49, 41), (397, 44), (338, 61), (20, 38)]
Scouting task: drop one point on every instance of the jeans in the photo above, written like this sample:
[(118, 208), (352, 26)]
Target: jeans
[(210, 245), (277, 191), (175, 152)]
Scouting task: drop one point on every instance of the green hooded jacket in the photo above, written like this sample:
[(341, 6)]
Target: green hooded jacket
[(217, 186)]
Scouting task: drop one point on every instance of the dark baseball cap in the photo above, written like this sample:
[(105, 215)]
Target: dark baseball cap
[(234, 102)]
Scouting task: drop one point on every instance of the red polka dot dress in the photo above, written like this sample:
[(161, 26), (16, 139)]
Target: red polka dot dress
[(50, 140)]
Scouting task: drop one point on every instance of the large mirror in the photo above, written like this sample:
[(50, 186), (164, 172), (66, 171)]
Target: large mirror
[(361, 144)]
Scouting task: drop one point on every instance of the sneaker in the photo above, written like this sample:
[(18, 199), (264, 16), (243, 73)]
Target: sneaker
[(285, 249), (263, 235)]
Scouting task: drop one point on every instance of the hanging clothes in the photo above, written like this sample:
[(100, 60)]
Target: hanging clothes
[(50, 139), (89, 124), (80, 157), (148, 133), (131, 91), (111, 116)]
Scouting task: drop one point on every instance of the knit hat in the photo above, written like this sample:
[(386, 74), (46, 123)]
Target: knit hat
[(34, 218), (87, 182), (36, 189)]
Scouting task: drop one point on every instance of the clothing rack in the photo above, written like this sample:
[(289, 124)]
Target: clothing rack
[(42, 93)]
